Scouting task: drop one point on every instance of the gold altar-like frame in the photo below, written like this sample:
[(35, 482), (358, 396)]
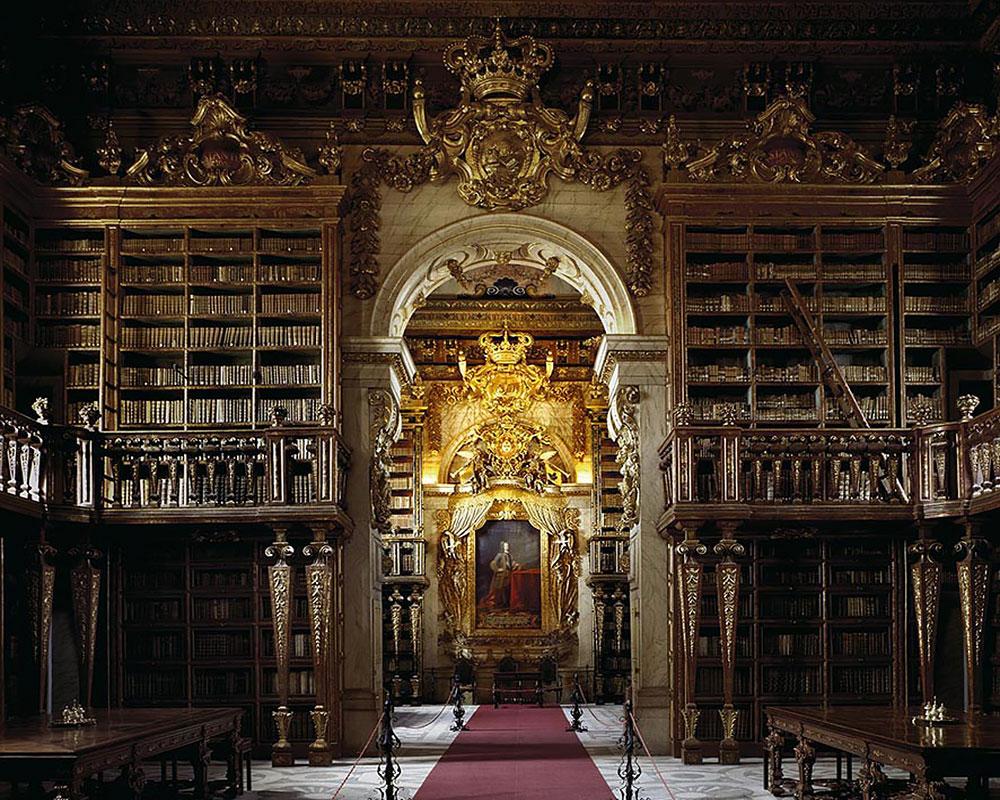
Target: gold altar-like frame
[(559, 564)]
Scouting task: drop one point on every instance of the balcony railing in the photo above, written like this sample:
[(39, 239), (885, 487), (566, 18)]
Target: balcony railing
[(928, 470), (72, 470)]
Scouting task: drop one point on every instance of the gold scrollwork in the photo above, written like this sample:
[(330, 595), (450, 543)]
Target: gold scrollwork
[(780, 148), (627, 457), (35, 141), (219, 151), (965, 142)]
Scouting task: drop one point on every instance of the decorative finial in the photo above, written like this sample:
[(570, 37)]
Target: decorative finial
[(967, 405)]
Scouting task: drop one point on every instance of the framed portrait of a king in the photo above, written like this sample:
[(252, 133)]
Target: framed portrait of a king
[(508, 575)]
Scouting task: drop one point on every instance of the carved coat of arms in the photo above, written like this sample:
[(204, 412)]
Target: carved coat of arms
[(500, 141)]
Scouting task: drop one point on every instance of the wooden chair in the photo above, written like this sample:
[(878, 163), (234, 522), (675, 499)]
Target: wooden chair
[(548, 681), (465, 676)]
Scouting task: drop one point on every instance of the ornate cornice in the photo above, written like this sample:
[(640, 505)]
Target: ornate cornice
[(967, 139), (680, 21), (36, 142)]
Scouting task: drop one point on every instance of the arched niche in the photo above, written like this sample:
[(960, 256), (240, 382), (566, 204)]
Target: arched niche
[(424, 268)]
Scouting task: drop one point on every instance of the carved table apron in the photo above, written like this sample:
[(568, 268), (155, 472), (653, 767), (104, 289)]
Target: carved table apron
[(32, 751), (884, 737)]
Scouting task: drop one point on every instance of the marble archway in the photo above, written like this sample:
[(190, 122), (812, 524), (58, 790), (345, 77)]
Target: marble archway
[(423, 268)]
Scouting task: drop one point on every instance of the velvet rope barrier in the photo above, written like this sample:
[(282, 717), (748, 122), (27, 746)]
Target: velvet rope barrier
[(357, 761), (649, 755)]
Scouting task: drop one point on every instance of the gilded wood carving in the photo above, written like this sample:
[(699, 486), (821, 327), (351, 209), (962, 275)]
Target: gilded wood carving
[(219, 151), (779, 147)]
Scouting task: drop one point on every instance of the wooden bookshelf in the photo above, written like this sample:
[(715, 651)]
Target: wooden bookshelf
[(196, 630), (820, 621), (219, 326), (743, 350), (936, 307), (15, 286), (69, 274)]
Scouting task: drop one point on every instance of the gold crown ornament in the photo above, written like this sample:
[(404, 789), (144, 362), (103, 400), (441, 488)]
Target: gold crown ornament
[(507, 349), (498, 66)]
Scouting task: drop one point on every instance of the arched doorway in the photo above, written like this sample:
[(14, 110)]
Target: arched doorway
[(470, 279)]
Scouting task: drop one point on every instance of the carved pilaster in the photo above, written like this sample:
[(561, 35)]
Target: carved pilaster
[(41, 589), (973, 595), (805, 757), (925, 578), (691, 571), (280, 579), (416, 601), (85, 585), (319, 583), (727, 578)]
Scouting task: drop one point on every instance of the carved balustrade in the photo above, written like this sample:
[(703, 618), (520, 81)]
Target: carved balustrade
[(75, 471), (727, 464), (278, 466), (982, 441)]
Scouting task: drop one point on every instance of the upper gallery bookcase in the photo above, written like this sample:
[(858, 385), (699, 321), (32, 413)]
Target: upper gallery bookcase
[(886, 285), (219, 306)]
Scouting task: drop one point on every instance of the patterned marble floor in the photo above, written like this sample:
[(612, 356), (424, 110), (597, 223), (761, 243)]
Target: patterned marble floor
[(424, 743)]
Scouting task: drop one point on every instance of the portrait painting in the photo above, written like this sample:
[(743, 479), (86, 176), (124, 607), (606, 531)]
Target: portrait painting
[(508, 575)]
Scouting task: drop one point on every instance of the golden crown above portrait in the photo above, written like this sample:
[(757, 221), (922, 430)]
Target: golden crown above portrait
[(498, 66), (506, 349)]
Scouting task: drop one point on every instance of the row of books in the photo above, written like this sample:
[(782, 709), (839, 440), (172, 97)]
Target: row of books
[(151, 646), (858, 607), (864, 373), (154, 685), (153, 304), (786, 401), (84, 374), (152, 273), (937, 305), (153, 610), (708, 680), (222, 609), (150, 338), (221, 304), (207, 410), (220, 375), (222, 579), (785, 608), (714, 408), (710, 606), (723, 302), (791, 681), (987, 228), (844, 576), (936, 272), (222, 336), (934, 240), (71, 335), (853, 303), (791, 644), (73, 303), (860, 643), (222, 644), (68, 270), (210, 684), (151, 412), (989, 293), (300, 409), (289, 335), (788, 576), (221, 273), (802, 414), (17, 328), (851, 240), (304, 303), (159, 579), (720, 271), (721, 373), (920, 400), (727, 334), (71, 245), (860, 680), (218, 244), (935, 336), (846, 335)]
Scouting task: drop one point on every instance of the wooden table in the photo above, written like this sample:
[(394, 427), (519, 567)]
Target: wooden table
[(31, 751), (883, 737)]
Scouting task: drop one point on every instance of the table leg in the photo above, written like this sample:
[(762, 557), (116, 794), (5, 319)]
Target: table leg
[(805, 757), (773, 743), (201, 756), (871, 780)]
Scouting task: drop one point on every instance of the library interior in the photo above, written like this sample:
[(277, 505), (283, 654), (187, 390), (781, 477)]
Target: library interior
[(452, 399)]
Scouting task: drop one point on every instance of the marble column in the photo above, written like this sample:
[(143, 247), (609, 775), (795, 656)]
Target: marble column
[(634, 368), (374, 371)]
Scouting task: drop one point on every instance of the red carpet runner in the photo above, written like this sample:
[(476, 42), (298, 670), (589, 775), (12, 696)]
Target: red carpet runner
[(515, 753)]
